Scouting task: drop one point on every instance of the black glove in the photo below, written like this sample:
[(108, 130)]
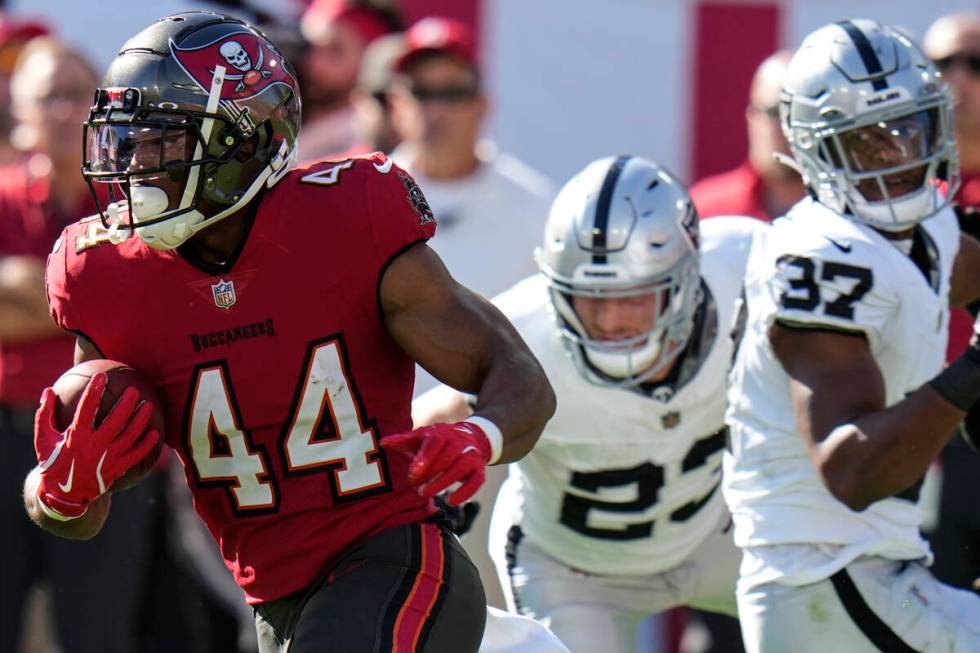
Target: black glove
[(459, 518)]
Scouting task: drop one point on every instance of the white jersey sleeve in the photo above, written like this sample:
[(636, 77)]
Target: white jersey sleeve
[(825, 278)]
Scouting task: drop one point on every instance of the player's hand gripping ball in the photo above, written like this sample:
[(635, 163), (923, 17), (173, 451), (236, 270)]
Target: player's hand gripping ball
[(99, 428)]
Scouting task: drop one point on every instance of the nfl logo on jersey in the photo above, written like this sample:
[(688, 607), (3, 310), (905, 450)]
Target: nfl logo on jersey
[(224, 294)]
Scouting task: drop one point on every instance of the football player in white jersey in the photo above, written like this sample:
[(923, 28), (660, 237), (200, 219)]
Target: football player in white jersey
[(838, 397), (617, 514)]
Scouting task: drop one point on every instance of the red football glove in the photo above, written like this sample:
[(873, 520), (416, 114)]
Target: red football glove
[(79, 465), (445, 454)]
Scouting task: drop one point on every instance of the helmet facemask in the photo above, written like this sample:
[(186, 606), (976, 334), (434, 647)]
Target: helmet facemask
[(667, 304), (886, 170)]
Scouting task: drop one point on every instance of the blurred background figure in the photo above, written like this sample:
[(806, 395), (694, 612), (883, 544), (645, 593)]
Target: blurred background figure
[(337, 34), (761, 187), (374, 128), (953, 43), (96, 586), (490, 207), (14, 34), (487, 203), (764, 188)]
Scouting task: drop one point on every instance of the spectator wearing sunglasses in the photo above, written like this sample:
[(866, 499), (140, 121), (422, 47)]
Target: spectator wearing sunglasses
[(761, 187), (491, 208), (953, 44)]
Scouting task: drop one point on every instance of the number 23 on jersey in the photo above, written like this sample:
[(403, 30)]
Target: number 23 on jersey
[(325, 433)]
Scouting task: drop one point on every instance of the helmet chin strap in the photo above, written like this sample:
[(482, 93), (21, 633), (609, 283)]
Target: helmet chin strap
[(628, 363), (789, 162), (900, 213)]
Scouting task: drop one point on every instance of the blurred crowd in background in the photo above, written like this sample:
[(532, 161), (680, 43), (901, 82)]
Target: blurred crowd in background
[(406, 78)]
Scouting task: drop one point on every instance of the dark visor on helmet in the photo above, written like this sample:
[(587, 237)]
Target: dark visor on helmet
[(125, 145), (892, 143), (137, 148)]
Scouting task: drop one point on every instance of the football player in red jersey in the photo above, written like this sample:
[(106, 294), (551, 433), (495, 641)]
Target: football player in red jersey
[(279, 313)]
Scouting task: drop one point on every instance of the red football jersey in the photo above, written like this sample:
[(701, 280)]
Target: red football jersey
[(276, 373)]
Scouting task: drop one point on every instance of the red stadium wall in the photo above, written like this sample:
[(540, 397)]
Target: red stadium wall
[(724, 61)]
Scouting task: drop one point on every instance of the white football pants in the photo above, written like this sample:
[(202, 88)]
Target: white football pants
[(512, 633), (872, 605), (602, 614)]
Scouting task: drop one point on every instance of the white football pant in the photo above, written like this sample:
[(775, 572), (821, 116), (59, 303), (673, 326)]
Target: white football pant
[(873, 604), (512, 633), (602, 614)]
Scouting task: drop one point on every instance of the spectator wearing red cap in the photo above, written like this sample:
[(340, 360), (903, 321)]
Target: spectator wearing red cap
[(486, 202), (337, 33), (491, 208), (14, 35), (761, 187)]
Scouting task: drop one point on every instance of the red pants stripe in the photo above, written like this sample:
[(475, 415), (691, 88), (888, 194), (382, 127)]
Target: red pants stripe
[(425, 590)]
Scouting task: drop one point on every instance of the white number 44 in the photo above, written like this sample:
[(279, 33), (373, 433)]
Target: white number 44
[(326, 433)]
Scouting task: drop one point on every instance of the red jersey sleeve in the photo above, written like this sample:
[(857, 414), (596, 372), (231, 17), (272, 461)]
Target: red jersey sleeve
[(399, 213), (56, 282)]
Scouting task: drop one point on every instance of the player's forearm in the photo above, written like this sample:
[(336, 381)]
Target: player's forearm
[(83, 528), (882, 453), (517, 397)]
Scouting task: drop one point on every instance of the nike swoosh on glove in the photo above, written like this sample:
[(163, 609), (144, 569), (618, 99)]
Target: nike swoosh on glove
[(84, 459), (445, 454)]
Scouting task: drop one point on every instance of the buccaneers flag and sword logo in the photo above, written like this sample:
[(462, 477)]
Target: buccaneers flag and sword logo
[(251, 67)]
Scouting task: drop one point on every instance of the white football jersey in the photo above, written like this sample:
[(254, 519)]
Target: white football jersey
[(815, 268), (621, 481)]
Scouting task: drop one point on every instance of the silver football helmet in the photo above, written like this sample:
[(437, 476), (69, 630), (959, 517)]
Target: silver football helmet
[(623, 227), (869, 122)]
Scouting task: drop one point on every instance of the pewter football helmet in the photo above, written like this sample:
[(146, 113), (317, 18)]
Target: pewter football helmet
[(869, 122), (623, 227), (196, 115)]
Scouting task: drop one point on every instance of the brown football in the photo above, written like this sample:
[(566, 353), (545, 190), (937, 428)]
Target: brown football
[(70, 386)]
